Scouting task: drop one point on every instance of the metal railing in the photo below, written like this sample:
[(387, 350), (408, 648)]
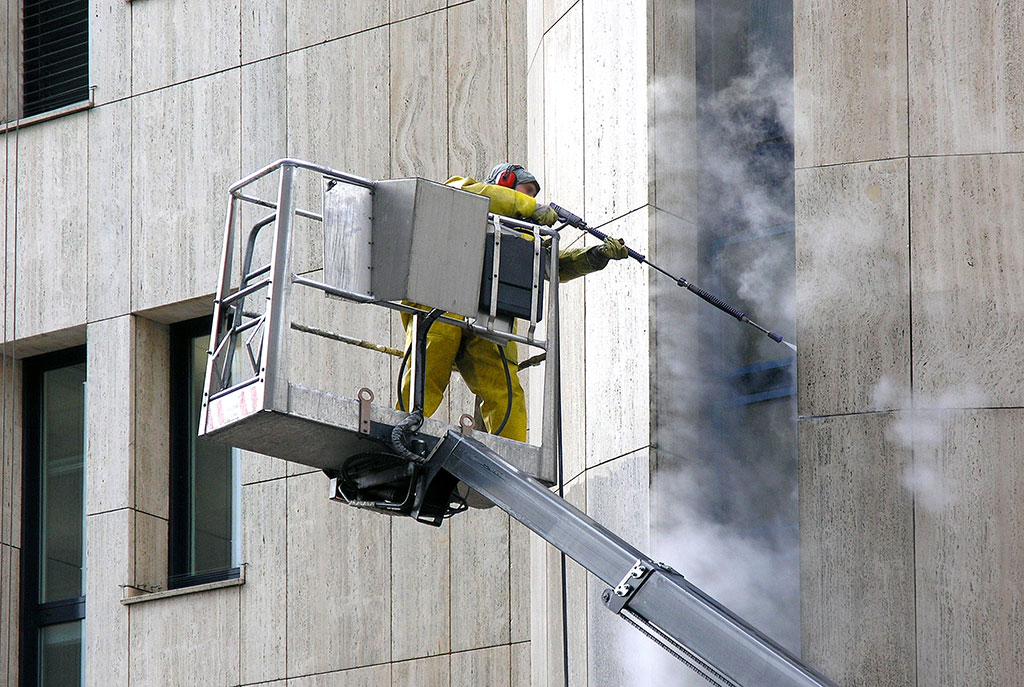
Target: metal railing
[(250, 317)]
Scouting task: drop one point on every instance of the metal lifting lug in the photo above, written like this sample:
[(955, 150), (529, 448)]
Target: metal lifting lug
[(617, 599), (365, 399)]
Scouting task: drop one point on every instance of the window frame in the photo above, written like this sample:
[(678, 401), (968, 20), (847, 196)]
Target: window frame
[(179, 465), (35, 616), (14, 114), (39, 73)]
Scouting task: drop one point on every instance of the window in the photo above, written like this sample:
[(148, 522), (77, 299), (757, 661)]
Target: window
[(205, 541), (744, 70), (53, 568), (54, 55), (744, 74)]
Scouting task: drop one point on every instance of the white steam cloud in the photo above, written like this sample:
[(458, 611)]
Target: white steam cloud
[(724, 505), (920, 429)]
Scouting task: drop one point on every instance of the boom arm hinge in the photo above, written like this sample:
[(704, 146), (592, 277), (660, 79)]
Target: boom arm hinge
[(617, 599)]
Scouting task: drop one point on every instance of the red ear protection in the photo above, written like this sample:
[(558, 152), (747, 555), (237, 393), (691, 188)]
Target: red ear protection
[(507, 179)]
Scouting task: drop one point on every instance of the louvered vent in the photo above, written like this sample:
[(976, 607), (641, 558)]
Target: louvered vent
[(56, 54)]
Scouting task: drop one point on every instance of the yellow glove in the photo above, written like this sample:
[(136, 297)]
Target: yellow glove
[(613, 249), (544, 215)]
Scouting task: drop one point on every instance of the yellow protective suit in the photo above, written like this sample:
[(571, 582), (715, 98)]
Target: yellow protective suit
[(477, 359)]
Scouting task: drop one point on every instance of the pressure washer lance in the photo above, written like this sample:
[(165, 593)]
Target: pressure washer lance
[(576, 221)]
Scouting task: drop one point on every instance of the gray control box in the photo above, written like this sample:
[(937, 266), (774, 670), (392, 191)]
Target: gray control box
[(415, 240)]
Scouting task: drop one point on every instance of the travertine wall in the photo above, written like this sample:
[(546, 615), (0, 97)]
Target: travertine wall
[(113, 231), (910, 270)]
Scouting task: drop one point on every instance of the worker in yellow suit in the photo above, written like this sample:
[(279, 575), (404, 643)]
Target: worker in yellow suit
[(513, 192)]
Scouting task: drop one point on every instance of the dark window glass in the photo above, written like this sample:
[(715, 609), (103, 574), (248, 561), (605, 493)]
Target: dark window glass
[(54, 519), (55, 54), (744, 72), (60, 654), (61, 482), (204, 539)]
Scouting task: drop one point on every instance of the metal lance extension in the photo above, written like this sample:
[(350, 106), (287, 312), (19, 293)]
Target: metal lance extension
[(576, 221)]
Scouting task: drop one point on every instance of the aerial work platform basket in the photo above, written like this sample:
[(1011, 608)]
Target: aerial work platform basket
[(280, 378)]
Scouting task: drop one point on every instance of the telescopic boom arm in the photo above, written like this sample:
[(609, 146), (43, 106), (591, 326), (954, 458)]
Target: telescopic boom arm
[(658, 601), (576, 221)]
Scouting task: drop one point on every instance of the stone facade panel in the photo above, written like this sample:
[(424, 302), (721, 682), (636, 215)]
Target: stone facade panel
[(189, 639), (478, 126), (403, 9), (151, 384), (264, 30), (50, 228), (11, 453), (338, 103), (339, 600), (174, 42), (419, 87), (968, 274), (563, 142), (10, 609), (519, 590), (618, 418), (969, 550), (616, 61), (421, 589), (857, 541), (109, 465), (850, 81), (853, 264), (109, 563), (151, 558), (966, 66), (179, 200), (110, 51), (109, 211), (480, 579), (309, 24), (264, 596), (424, 672), (482, 667)]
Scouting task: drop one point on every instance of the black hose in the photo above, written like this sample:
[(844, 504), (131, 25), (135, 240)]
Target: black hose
[(401, 432), (401, 373), (400, 436), (508, 387)]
